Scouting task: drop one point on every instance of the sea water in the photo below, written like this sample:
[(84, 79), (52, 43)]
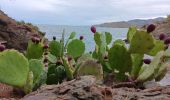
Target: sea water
[(56, 30)]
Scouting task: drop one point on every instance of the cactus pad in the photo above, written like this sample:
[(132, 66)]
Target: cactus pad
[(90, 67), (34, 51), (159, 46), (76, 48), (119, 58), (108, 38), (55, 48), (14, 68), (141, 43)]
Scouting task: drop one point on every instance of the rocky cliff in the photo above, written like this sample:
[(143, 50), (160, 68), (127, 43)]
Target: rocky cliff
[(16, 34)]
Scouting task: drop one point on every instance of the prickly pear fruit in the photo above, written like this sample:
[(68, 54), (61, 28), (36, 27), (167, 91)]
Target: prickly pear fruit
[(162, 36), (147, 61), (2, 47), (45, 46), (151, 28), (81, 37), (54, 38), (90, 67), (93, 29), (167, 40)]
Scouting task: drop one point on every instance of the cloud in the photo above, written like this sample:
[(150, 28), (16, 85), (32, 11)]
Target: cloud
[(83, 12)]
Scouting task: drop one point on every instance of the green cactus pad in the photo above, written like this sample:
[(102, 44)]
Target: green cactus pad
[(120, 59), (60, 73), (34, 51), (159, 46), (51, 79), (108, 38), (146, 73), (52, 58), (97, 38), (29, 84), (14, 68), (131, 32), (76, 48), (84, 58), (72, 35), (90, 67), (141, 43), (119, 41), (137, 63), (55, 48), (37, 68), (161, 72), (40, 81), (151, 71)]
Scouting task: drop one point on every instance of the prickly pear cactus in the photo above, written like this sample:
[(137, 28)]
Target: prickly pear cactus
[(154, 69), (108, 38), (14, 68), (72, 35), (161, 72), (141, 42), (29, 84), (97, 38), (34, 51), (55, 48), (37, 67), (120, 59), (76, 48), (119, 41), (84, 58), (116, 55), (68, 69), (56, 74), (52, 58), (131, 32), (101, 44), (146, 73), (137, 61), (159, 46), (91, 67)]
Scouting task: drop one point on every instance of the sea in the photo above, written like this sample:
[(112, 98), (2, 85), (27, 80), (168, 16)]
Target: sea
[(57, 30)]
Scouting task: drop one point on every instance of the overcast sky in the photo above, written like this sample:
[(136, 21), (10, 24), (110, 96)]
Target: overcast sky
[(83, 12)]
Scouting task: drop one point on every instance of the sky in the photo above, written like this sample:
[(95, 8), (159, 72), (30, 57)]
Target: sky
[(83, 12)]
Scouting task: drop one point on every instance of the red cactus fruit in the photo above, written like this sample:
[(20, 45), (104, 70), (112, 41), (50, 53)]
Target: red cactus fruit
[(93, 29), (151, 28)]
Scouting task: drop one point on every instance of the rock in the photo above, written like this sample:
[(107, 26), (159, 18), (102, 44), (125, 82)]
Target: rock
[(85, 88), (15, 34)]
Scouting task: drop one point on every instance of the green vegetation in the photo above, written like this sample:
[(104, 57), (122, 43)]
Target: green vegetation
[(66, 59)]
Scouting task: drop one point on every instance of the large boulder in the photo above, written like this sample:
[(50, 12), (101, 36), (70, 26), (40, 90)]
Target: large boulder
[(16, 34)]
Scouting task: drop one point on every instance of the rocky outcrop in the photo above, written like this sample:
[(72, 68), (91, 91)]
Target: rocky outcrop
[(14, 34), (86, 88)]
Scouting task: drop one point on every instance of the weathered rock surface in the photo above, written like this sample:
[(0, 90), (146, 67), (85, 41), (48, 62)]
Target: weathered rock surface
[(86, 88), (13, 34)]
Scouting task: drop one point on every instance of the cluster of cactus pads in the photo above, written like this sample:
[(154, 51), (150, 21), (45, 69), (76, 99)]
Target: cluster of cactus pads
[(62, 60)]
